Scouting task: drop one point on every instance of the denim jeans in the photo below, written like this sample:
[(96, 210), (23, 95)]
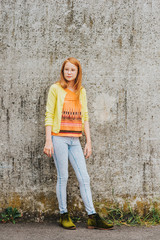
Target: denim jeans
[(70, 147)]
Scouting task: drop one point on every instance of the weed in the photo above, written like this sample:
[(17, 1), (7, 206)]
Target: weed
[(9, 215), (131, 217), (76, 219)]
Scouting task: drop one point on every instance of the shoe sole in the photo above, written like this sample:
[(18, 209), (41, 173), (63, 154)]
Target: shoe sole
[(74, 228), (71, 228), (91, 227)]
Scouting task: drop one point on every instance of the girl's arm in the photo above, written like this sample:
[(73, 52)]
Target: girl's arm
[(88, 146), (48, 148)]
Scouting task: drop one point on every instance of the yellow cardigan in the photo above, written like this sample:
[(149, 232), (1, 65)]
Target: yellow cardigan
[(54, 107)]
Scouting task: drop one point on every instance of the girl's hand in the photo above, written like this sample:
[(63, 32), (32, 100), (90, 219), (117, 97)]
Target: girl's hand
[(88, 150), (48, 148)]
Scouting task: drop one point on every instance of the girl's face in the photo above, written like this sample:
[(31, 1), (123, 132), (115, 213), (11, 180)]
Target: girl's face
[(70, 71)]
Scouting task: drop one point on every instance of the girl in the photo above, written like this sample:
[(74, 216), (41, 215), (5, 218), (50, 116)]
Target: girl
[(66, 118)]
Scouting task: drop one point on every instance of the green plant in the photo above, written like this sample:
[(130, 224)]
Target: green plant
[(76, 219), (153, 215), (9, 215), (131, 217)]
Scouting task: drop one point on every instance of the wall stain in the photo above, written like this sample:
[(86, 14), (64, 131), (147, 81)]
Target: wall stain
[(90, 22), (13, 165), (70, 17), (8, 120), (120, 41), (117, 115), (125, 107), (2, 104), (144, 181), (1, 173), (151, 153), (131, 40), (51, 58), (46, 203)]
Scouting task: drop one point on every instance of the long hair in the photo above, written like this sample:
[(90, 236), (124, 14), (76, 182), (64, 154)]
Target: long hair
[(78, 81)]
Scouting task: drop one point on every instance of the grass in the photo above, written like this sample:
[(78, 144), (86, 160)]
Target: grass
[(130, 217)]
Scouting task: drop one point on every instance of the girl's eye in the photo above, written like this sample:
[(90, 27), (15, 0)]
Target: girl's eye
[(66, 69)]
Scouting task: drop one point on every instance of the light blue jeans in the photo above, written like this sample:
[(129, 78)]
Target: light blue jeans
[(70, 147)]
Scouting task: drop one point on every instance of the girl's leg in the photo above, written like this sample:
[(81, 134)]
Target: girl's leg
[(61, 161), (78, 162)]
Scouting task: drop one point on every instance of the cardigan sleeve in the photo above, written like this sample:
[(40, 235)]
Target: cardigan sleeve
[(50, 107), (86, 117)]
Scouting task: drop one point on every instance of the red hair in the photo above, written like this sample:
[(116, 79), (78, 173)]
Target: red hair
[(78, 81)]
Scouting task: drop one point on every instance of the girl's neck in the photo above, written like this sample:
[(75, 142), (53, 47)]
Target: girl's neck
[(71, 86)]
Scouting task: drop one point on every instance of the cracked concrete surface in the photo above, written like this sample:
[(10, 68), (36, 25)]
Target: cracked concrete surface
[(117, 43)]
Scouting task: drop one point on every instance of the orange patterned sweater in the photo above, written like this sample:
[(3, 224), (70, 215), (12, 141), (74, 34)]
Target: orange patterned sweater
[(71, 121)]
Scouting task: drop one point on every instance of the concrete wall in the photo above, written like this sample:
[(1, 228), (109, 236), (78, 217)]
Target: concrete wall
[(118, 45)]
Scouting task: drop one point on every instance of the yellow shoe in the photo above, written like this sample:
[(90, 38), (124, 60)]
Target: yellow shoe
[(95, 221), (66, 222)]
